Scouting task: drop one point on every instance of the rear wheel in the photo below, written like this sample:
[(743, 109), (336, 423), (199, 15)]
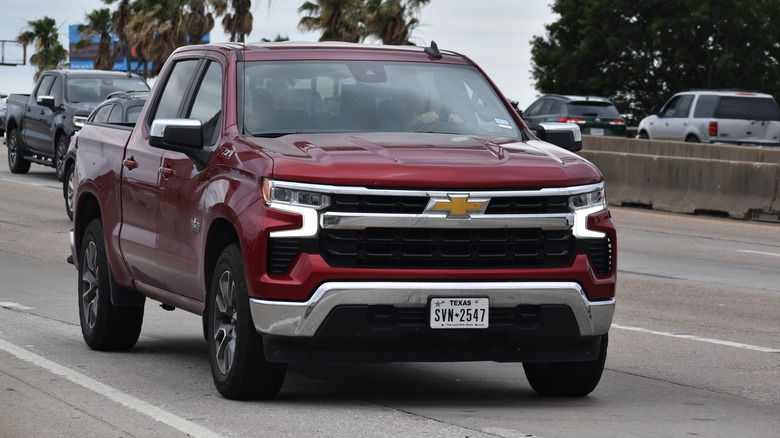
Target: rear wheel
[(238, 363), (16, 161), (105, 327), (692, 139), (643, 135), (567, 379)]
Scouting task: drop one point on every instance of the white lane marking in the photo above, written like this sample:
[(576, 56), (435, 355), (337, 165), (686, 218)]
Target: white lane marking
[(113, 394), (700, 339), (15, 306), (759, 252), (44, 184)]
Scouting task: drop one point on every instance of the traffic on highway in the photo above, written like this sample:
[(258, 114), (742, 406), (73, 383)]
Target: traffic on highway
[(694, 350)]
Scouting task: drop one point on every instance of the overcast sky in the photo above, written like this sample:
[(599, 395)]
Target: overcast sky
[(496, 34)]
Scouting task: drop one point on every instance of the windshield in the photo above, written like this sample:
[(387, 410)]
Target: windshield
[(96, 89), (371, 96)]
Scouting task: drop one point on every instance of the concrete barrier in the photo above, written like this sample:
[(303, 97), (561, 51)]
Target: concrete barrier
[(738, 181)]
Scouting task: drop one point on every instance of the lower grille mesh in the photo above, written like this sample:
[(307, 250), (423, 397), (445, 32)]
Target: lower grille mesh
[(438, 248)]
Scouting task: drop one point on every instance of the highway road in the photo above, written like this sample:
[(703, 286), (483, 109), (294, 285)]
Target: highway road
[(694, 351)]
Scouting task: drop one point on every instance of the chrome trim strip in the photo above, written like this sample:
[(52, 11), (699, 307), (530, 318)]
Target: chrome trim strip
[(343, 221), (354, 190), (302, 319)]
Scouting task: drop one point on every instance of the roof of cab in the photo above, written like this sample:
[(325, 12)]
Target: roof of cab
[(301, 50)]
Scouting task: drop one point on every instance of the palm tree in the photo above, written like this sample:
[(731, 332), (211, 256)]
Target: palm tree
[(339, 20), (198, 20), (49, 53), (238, 23), (157, 28), (99, 23), (393, 21), (121, 20)]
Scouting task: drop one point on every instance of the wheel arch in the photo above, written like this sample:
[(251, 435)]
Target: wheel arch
[(221, 234)]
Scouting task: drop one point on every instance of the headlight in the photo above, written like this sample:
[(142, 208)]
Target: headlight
[(287, 197), (584, 205), (587, 200), (79, 121), (274, 192)]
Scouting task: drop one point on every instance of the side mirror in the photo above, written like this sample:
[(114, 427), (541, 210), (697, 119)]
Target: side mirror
[(178, 135), (47, 101), (565, 135)]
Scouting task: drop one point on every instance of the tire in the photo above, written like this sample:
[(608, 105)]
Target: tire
[(60, 149), (105, 327), (643, 135), (567, 379), (68, 188), (692, 139), (16, 161), (236, 355)]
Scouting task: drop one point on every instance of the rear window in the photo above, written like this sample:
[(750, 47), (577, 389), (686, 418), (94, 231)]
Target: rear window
[(593, 109), (750, 108)]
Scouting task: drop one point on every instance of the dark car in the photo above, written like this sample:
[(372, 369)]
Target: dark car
[(119, 107), (39, 125), (594, 115)]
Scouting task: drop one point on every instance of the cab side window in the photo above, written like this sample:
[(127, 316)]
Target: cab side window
[(175, 90), (670, 107), (56, 90), (45, 86), (207, 104), (101, 114)]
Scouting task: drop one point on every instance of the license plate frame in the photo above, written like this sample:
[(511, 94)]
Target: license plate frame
[(459, 313), (596, 131)]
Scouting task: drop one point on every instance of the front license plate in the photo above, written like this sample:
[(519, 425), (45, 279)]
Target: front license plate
[(596, 131), (454, 313)]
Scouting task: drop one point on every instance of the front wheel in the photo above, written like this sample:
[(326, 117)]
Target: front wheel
[(105, 327), (60, 149), (16, 161), (68, 188), (238, 363), (567, 379)]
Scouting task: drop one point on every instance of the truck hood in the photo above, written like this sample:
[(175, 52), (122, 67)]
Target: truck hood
[(84, 108), (424, 160)]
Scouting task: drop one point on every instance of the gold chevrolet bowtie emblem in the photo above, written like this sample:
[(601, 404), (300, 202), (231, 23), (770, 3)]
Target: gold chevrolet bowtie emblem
[(459, 205)]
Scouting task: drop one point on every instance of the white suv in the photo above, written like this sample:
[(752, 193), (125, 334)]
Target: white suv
[(730, 117)]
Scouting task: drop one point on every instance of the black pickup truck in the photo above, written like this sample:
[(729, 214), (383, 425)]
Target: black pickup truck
[(38, 126)]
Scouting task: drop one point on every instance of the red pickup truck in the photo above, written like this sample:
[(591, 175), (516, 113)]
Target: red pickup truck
[(345, 203)]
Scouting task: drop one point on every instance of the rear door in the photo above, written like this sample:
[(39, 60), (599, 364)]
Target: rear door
[(749, 119)]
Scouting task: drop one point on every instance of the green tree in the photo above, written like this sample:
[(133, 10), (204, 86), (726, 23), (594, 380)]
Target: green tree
[(393, 21), (237, 22), (158, 27), (44, 34), (99, 24), (120, 19), (338, 20), (639, 53)]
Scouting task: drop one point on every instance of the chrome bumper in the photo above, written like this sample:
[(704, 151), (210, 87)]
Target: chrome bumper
[(302, 319)]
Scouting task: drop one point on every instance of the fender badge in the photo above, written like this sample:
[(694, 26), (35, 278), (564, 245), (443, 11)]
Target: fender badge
[(225, 152)]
